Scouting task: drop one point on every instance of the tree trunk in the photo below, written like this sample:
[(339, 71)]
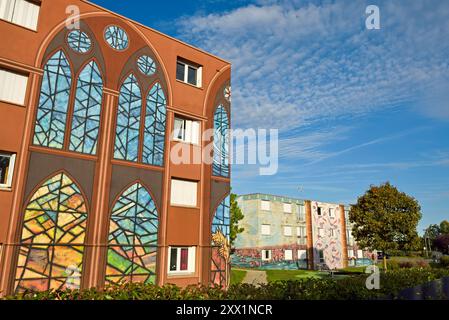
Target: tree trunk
[(385, 263)]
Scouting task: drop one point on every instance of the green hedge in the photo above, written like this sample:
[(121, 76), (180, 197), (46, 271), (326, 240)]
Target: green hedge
[(349, 288)]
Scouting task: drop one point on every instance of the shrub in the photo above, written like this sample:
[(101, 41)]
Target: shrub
[(349, 288), (393, 265), (444, 261)]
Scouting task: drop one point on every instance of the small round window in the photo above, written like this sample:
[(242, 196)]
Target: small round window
[(146, 65), (79, 41), (116, 37)]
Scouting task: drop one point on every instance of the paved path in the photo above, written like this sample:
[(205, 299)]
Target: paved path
[(255, 277)]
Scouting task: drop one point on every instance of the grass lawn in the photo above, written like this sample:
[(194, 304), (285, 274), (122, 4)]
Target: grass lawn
[(274, 275), (237, 276)]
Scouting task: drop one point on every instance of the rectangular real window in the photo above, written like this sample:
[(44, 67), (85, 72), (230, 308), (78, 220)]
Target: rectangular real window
[(318, 210), (359, 254), (287, 231), (265, 229), (181, 260), (189, 72), (331, 212), (21, 12), (288, 254), (266, 255), (7, 161), (265, 205), (13, 87), (301, 213), (187, 131), (287, 207), (301, 232), (350, 254), (183, 193)]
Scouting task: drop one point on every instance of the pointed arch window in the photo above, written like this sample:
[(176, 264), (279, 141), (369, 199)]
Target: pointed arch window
[(87, 110), (155, 120), (52, 241), (221, 231), (53, 102), (220, 166), (133, 238), (128, 120)]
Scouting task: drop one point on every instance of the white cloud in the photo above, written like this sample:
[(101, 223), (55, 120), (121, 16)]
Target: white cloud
[(295, 64)]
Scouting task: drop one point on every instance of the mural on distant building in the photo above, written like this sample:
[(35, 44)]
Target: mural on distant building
[(221, 249), (326, 232)]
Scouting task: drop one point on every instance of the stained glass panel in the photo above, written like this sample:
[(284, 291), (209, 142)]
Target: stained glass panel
[(116, 37), (146, 65), (87, 109), (52, 241), (128, 120), (50, 124), (220, 165), (154, 135), (79, 41), (220, 256), (133, 238)]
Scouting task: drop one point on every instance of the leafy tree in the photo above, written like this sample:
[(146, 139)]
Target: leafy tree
[(386, 219), (236, 216), (444, 227), (441, 243), (432, 232)]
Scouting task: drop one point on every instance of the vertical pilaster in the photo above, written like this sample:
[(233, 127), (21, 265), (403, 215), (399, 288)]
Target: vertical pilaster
[(309, 226), (344, 244)]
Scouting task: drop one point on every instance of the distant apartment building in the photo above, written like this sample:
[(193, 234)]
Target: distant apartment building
[(288, 233)]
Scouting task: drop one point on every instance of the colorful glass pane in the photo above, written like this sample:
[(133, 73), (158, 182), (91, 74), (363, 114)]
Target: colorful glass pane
[(221, 230), (79, 41), (116, 37), (133, 238), (154, 135), (87, 109), (146, 65), (128, 120), (220, 165), (52, 241), (50, 124)]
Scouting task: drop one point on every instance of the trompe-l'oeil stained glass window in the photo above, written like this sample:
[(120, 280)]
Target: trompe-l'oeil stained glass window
[(116, 37), (146, 65), (79, 41), (128, 120), (220, 165), (221, 244), (53, 102), (87, 109), (52, 242), (154, 136), (133, 238)]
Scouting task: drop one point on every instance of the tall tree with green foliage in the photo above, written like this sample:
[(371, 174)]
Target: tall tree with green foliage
[(386, 219), (236, 216), (444, 227), (432, 232)]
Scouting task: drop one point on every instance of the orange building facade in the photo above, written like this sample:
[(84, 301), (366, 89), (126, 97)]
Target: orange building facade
[(92, 106)]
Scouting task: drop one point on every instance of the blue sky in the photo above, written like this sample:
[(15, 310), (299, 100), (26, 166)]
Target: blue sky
[(354, 106)]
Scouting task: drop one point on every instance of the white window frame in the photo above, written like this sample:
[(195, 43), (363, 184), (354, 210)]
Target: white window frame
[(263, 255), (351, 254), (359, 254), (13, 86), (265, 205), (16, 15), (288, 231), (302, 253), (190, 128), (332, 212), (198, 69), (290, 254), (191, 260), (12, 160), (263, 229), (175, 199), (302, 212), (288, 207)]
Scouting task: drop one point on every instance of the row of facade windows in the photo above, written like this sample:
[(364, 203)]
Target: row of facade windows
[(265, 229), (54, 228)]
